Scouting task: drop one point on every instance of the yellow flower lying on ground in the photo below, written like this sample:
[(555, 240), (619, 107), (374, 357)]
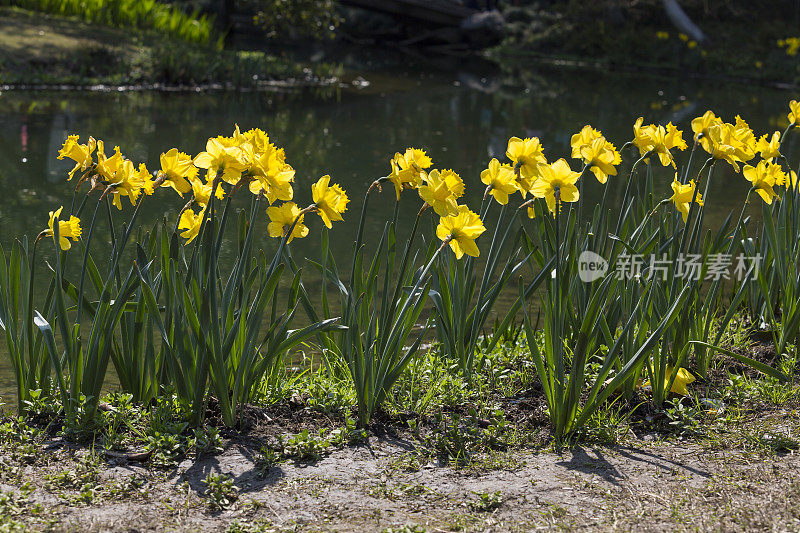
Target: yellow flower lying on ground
[(190, 222), (794, 112), (80, 153), (281, 219), (440, 190), (330, 200), (223, 156), (462, 229), (659, 140), (682, 195), (67, 229), (601, 156), (701, 126), (408, 169), (501, 179), (763, 179), (178, 170), (682, 379), (556, 177), (526, 154), (769, 148)]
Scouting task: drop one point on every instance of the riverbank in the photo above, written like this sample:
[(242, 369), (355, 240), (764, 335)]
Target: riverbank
[(464, 458), (41, 50)]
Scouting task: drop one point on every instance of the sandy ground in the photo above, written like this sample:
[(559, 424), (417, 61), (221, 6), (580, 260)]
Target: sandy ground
[(652, 487)]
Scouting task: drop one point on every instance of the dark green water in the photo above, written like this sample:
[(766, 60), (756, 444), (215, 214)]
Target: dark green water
[(460, 118)]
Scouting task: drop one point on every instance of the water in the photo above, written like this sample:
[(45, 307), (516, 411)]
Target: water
[(461, 118)]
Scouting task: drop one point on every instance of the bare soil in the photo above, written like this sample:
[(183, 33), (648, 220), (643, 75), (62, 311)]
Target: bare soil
[(646, 486)]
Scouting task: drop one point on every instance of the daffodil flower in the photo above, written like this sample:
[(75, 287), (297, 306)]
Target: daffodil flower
[(126, 182), (281, 219), (177, 169), (440, 190), (583, 138), (80, 153), (659, 140), (500, 179), (190, 222), (202, 192), (794, 112), (682, 378), (682, 195), (601, 156), (769, 148), (701, 126), (556, 177), (272, 176), (408, 168), (330, 200), (67, 229), (222, 156), (526, 154), (762, 179), (107, 167), (460, 231)]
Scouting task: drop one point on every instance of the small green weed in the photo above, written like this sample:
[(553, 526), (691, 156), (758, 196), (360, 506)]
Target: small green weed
[(220, 491)]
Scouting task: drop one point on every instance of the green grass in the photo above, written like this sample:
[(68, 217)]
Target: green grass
[(47, 49), (138, 14)]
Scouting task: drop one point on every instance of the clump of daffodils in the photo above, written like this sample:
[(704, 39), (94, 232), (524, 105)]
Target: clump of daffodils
[(243, 161)]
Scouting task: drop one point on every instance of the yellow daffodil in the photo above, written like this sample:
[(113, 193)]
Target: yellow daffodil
[(723, 145), (461, 229), (556, 177), (281, 219), (601, 156), (127, 182), (330, 200), (682, 195), (501, 180), (791, 180), (526, 154), (408, 169), (585, 137), (107, 167), (177, 169), (440, 190), (67, 229), (794, 112), (769, 148), (259, 139), (762, 179), (745, 136), (682, 378), (221, 156), (202, 192), (145, 179), (700, 127), (80, 153), (658, 139), (190, 222), (272, 176), (776, 173)]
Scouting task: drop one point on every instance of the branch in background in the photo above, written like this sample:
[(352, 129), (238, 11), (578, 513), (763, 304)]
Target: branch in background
[(681, 20)]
